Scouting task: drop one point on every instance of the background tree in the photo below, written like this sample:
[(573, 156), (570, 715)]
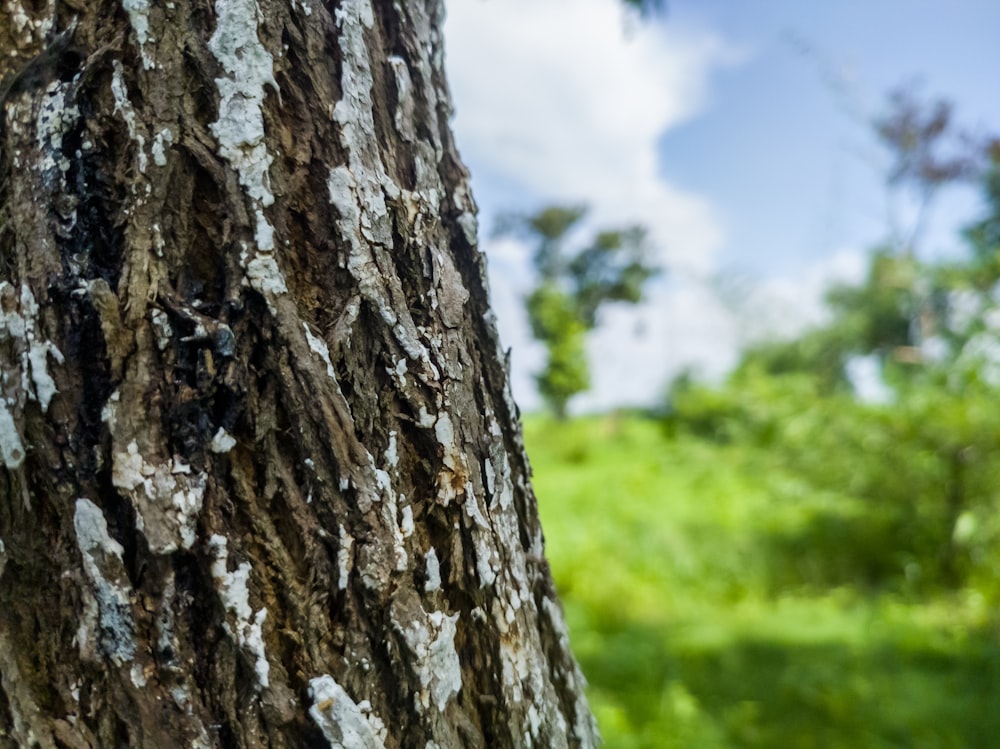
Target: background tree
[(899, 313), (572, 287), (263, 482), (927, 151), (933, 327)]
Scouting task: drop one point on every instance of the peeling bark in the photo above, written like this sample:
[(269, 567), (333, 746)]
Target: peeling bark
[(263, 483)]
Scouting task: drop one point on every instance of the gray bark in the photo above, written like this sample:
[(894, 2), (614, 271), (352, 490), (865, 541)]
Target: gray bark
[(262, 480)]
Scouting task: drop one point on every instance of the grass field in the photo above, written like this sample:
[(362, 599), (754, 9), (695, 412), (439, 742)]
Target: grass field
[(715, 600)]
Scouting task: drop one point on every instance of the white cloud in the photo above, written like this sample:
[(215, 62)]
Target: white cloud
[(564, 103), (691, 323), (636, 351), (687, 322)]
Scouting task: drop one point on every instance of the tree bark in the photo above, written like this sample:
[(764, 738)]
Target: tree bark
[(263, 483)]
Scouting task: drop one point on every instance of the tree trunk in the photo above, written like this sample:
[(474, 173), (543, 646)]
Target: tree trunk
[(263, 482)]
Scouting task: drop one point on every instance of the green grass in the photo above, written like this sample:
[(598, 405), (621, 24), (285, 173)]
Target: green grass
[(716, 600)]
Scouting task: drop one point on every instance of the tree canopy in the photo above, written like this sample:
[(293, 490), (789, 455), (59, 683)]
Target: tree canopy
[(576, 278)]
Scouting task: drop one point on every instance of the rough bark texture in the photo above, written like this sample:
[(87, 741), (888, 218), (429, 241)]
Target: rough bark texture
[(262, 482)]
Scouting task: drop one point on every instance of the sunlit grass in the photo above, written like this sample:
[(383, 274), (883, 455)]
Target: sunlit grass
[(717, 600)]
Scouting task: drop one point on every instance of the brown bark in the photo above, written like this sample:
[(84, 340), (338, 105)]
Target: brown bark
[(262, 482)]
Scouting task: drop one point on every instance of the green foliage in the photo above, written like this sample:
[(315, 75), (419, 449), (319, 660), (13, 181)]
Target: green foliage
[(924, 465), (573, 285), (714, 598), (555, 320), (548, 228), (876, 316), (823, 352), (983, 237), (610, 269)]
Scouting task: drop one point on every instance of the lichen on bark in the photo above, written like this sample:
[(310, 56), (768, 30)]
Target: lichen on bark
[(263, 483)]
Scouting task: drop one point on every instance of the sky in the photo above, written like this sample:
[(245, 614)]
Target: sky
[(738, 133)]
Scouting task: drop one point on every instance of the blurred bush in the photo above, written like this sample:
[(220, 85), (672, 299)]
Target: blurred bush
[(919, 478)]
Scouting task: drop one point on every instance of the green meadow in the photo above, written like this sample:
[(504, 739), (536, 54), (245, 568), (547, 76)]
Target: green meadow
[(718, 598)]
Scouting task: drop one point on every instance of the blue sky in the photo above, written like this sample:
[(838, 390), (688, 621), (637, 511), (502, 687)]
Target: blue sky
[(792, 118), (734, 129)]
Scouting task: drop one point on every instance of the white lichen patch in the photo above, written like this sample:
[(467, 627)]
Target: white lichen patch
[(249, 68), (391, 455), (242, 624), (425, 419), (264, 275), (344, 723), (491, 476), (473, 510), (358, 196), (504, 497), (470, 227), (526, 680), (38, 352), (24, 367), (222, 442), (319, 347), (344, 558), (168, 497), (158, 244), (398, 373), (12, 324), (483, 533), (162, 327), (404, 99), (163, 140), (11, 445), (432, 571), (262, 271), (406, 526), (444, 430), (138, 16), (38, 356), (138, 675), (114, 629), (109, 413), (452, 480), (450, 294), (534, 724), (57, 115), (387, 502), (124, 105), (435, 660), (359, 189)]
